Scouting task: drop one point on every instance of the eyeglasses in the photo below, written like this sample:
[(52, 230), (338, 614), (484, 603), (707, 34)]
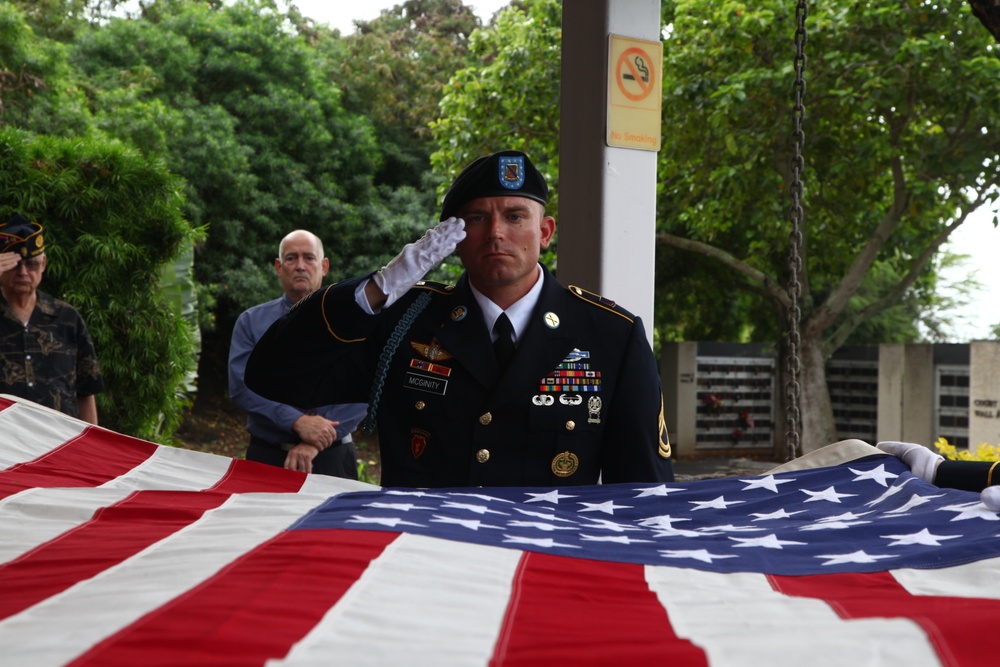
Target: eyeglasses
[(33, 264)]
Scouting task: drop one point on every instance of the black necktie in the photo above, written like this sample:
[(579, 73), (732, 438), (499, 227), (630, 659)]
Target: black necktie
[(503, 347)]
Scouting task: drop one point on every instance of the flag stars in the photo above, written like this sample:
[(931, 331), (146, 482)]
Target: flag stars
[(401, 507), (914, 502), (702, 555), (538, 525), (475, 509), (542, 515), (924, 537), (967, 511), (890, 492), (719, 503), (545, 542), (730, 528), (617, 539), (776, 515), (471, 524), (387, 521), (661, 490), (608, 507), (846, 516), (766, 541), (879, 475), (828, 494), (604, 524), (550, 497), (854, 557), (827, 524), (769, 482)]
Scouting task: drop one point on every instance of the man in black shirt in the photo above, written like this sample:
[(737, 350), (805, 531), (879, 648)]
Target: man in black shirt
[(46, 354)]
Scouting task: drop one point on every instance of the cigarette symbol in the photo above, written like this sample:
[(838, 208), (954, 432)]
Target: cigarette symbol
[(640, 65)]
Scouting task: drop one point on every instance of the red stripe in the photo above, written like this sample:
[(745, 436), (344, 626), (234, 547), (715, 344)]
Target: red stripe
[(91, 459), (5, 403), (958, 628), (254, 610), (570, 611), (252, 477), (120, 531), (114, 534)]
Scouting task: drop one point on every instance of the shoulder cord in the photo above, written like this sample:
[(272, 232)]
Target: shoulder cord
[(404, 324)]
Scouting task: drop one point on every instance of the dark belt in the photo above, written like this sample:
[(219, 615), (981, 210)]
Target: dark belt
[(286, 446)]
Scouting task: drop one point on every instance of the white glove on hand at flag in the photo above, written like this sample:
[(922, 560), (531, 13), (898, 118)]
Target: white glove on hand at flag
[(922, 461), (417, 258)]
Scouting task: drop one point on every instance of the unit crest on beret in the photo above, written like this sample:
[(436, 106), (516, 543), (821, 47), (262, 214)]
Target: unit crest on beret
[(601, 302)]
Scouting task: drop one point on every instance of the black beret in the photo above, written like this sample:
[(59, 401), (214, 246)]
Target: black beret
[(503, 174), (21, 236)]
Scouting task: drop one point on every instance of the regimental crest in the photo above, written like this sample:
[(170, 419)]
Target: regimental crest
[(511, 170)]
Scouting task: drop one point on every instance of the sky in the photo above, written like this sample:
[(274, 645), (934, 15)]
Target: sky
[(978, 238)]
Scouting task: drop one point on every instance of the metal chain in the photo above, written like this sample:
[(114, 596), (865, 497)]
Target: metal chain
[(368, 425), (793, 415)]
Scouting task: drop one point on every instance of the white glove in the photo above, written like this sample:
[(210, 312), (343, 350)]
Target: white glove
[(922, 461), (991, 498), (419, 257)]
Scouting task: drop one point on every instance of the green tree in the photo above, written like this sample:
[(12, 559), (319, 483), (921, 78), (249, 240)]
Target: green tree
[(394, 70), (902, 143), (39, 89), (901, 146), (511, 99), (112, 222), (241, 106)]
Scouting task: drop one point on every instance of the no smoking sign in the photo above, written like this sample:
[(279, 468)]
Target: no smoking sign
[(635, 92)]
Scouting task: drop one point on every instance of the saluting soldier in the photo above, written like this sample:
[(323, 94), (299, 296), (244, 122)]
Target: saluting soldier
[(507, 378)]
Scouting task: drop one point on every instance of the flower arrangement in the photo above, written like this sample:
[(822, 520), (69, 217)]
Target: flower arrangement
[(984, 452)]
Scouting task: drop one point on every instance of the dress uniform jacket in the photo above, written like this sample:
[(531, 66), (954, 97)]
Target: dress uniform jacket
[(580, 400), (967, 475)]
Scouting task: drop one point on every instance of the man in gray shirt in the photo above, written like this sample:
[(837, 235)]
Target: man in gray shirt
[(316, 440)]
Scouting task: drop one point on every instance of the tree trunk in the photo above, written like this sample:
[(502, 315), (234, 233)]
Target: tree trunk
[(988, 13), (818, 427)]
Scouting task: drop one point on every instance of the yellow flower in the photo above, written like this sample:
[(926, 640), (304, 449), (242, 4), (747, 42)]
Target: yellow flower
[(984, 452)]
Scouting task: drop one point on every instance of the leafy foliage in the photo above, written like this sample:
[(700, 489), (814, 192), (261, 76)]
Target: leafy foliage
[(510, 101), (38, 87), (241, 106), (112, 221), (394, 70)]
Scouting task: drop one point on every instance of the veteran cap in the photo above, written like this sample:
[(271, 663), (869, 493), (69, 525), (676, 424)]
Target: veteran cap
[(21, 236), (503, 174)]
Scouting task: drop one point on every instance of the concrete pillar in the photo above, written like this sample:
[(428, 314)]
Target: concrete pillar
[(906, 393), (607, 195), (679, 374), (984, 393)]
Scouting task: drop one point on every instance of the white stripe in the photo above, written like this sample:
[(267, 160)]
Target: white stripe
[(28, 431), (32, 518), (972, 580), (424, 601), (173, 469), (64, 626), (740, 621), (35, 516), (333, 485)]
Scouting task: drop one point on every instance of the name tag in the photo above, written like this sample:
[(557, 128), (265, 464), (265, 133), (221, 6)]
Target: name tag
[(425, 383)]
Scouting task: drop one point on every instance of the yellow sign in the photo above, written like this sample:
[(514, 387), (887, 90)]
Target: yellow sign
[(635, 93)]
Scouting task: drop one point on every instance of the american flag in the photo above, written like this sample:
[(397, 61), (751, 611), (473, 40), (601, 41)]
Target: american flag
[(117, 551)]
